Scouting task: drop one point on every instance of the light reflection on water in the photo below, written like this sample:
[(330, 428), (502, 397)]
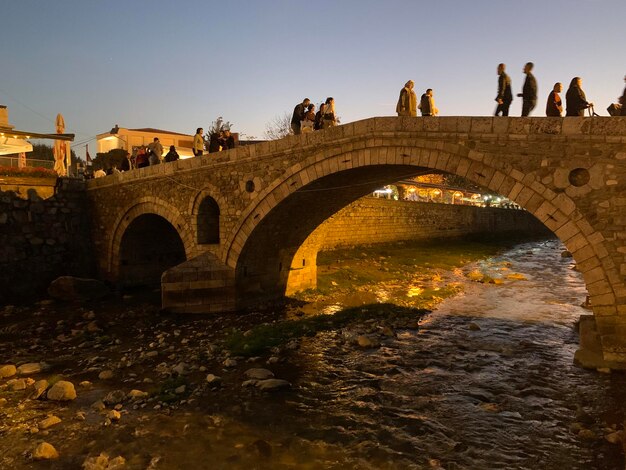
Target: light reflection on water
[(501, 396)]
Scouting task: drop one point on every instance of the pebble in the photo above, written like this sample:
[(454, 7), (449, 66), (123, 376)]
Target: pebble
[(180, 390), (39, 389), (3, 401), (114, 415), (49, 422), (474, 326), (259, 374), (85, 384), (45, 451), (98, 406), (137, 394), (114, 397), (272, 384), (30, 368), (62, 391), (615, 437), (16, 385), (229, 363), (213, 379), (105, 375), (367, 342), (102, 462), (8, 370)]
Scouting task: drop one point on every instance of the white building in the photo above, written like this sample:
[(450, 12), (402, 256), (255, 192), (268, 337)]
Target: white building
[(128, 139)]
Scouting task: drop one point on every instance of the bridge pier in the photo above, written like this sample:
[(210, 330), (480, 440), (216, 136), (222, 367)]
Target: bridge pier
[(601, 346)]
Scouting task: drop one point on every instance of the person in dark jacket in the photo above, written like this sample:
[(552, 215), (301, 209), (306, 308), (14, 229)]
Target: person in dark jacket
[(575, 99), (554, 105), (125, 163), (505, 95), (529, 92), (298, 115), (319, 116), (172, 155), (427, 106)]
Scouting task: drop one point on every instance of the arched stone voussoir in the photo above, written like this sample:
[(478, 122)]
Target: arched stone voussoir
[(147, 205)]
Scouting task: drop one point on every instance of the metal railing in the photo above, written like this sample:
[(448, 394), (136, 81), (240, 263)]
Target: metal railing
[(30, 162)]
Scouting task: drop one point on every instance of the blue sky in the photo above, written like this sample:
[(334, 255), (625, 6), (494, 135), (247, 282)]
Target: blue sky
[(179, 65)]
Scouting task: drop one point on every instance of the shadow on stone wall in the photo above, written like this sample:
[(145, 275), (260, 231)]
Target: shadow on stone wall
[(41, 239)]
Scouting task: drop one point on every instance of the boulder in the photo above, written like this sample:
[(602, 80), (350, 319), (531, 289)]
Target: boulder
[(259, 374), (72, 289), (62, 391), (45, 451), (7, 371)]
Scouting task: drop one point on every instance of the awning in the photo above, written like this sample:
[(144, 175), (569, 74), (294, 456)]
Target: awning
[(10, 145)]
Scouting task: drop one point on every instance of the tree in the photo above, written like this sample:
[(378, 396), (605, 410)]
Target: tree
[(278, 127), (109, 159), (46, 152)]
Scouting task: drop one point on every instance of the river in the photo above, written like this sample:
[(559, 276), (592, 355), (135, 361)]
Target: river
[(485, 381)]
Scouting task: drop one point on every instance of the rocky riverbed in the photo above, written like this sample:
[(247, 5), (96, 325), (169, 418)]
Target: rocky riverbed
[(356, 374)]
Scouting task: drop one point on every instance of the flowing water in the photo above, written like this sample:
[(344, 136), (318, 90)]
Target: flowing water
[(502, 396), (485, 382)]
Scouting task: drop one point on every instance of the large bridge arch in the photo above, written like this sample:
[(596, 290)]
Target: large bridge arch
[(149, 206), (276, 223)]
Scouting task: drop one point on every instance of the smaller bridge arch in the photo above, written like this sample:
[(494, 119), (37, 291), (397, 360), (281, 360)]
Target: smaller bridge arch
[(141, 218)]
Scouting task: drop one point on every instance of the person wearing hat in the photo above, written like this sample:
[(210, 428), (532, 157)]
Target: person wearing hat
[(407, 102)]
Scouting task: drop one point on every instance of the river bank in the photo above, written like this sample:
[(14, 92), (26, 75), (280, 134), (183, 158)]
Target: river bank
[(486, 381)]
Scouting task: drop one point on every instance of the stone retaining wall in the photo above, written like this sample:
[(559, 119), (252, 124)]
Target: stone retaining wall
[(41, 239), (371, 220)]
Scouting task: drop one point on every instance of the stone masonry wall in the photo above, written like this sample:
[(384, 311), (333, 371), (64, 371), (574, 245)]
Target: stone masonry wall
[(371, 220), (41, 239)]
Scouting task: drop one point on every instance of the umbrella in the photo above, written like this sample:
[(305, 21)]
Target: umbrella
[(62, 153)]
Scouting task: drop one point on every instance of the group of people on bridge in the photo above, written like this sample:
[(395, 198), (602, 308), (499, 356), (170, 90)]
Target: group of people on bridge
[(305, 119), (575, 99)]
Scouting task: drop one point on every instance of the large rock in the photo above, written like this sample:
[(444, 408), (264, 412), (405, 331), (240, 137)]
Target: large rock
[(45, 451), (71, 289), (62, 391), (7, 371)]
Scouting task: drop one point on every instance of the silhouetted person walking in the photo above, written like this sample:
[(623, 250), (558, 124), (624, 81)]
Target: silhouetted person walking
[(575, 99), (529, 91), (298, 115), (622, 100), (505, 95), (554, 105), (407, 102)]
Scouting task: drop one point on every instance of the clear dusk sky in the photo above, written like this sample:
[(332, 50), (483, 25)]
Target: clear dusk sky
[(177, 65)]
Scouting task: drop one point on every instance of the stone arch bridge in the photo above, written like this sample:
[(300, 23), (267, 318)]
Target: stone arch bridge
[(234, 224)]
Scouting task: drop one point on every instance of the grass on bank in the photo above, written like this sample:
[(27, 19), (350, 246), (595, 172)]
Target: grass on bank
[(262, 338)]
